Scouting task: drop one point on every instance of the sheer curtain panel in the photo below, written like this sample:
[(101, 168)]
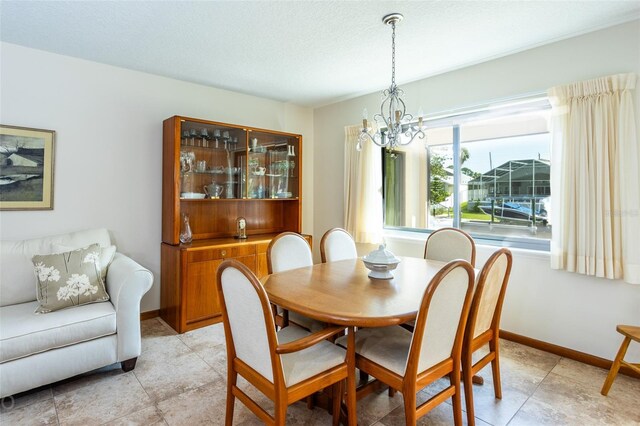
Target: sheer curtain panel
[(595, 178), (362, 189)]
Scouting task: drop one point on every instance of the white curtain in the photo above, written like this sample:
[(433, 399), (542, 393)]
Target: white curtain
[(362, 189), (595, 178)]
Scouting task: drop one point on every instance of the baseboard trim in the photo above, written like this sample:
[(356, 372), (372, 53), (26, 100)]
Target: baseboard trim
[(149, 314), (596, 361)]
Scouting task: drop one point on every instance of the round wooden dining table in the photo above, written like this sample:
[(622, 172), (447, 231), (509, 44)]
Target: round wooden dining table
[(342, 293)]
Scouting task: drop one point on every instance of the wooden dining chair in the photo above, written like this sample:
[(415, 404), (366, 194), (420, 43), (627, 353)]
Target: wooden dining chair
[(630, 333), (483, 326), (286, 251), (337, 244), (410, 361), (287, 365), (447, 244)]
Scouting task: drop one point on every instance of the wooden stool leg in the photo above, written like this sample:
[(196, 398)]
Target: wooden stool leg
[(615, 366)]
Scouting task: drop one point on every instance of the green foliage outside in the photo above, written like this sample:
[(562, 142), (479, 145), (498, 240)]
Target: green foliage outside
[(473, 213), (437, 188)]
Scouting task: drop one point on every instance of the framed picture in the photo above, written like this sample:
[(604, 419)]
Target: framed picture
[(26, 168)]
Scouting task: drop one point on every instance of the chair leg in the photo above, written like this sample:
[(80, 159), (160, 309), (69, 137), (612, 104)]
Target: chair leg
[(351, 379), (310, 402), (410, 407), (454, 378), (477, 380), (280, 413), (494, 346), (337, 400), (364, 377), (232, 377), (615, 366), (467, 375), (392, 392)]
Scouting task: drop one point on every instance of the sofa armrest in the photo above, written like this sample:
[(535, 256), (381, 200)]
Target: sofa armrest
[(127, 282)]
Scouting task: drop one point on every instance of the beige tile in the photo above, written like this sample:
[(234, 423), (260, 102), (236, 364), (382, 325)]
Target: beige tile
[(525, 356), (204, 405), (440, 415), (172, 369), (156, 327), (148, 416), (216, 358), (376, 405), (159, 338), (42, 412), (110, 398), (594, 377), (566, 401), (25, 398), (205, 338), (87, 379)]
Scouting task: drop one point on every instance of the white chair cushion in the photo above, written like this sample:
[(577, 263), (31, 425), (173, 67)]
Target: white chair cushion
[(448, 245), (17, 279), (386, 346), (290, 252), (24, 333), (301, 365), (490, 295), (301, 320), (339, 245)]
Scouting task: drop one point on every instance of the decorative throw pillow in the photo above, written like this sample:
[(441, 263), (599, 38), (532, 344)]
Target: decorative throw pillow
[(69, 279), (106, 257)]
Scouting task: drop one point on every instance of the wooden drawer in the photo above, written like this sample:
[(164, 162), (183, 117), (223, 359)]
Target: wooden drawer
[(221, 253)]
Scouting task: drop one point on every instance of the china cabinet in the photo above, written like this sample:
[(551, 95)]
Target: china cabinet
[(215, 174)]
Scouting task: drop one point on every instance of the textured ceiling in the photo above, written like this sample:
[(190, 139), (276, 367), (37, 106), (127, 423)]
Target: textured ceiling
[(306, 52)]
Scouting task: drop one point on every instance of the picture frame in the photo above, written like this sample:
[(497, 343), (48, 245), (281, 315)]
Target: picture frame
[(26, 168)]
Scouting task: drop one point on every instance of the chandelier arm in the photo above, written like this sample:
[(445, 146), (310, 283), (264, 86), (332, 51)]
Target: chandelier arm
[(420, 135), (364, 135)]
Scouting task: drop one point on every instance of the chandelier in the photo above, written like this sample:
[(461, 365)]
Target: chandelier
[(397, 123)]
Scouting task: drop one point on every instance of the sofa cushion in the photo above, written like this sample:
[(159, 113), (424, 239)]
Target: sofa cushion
[(24, 333), (106, 257), (17, 280), (69, 279)]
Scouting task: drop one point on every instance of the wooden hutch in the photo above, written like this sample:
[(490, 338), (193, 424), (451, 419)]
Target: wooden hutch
[(216, 173)]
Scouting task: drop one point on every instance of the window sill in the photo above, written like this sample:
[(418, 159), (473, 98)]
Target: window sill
[(534, 249)]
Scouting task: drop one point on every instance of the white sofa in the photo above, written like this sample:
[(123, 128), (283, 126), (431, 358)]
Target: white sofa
[(38, 349)]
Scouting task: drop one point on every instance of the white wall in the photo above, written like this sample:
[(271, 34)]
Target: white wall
[(565, 309), (108, 124)]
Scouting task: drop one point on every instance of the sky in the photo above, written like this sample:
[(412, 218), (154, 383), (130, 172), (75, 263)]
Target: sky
[(502, 150)]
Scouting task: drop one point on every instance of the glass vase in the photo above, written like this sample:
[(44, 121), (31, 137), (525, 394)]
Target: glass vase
[(185, 230)]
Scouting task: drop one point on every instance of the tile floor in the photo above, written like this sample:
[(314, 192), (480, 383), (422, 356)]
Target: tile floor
[(180, 380)]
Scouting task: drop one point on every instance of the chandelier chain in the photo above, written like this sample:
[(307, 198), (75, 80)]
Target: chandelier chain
[(393, 54)]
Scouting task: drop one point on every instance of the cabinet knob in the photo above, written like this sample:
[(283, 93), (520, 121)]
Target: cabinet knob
[(223, 252)]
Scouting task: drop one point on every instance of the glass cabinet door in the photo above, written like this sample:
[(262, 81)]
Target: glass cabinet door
[(271, 171), (210, 160)]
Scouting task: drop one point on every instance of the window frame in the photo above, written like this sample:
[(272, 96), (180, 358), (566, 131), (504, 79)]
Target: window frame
[(455, 119)]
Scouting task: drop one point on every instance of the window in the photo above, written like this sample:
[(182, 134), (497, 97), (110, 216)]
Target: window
[(498, 188)]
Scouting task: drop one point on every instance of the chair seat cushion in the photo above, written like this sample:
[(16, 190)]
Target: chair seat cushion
[(304, 322), (301, 365), (24, 333), (386, 346)]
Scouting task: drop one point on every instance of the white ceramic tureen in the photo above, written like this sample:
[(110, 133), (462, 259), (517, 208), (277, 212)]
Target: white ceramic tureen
[(381, 262)]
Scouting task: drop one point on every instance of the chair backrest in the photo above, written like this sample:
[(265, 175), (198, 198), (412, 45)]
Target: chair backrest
[(442, 317), (288, 251), (337, 244), (448, 244), (486, 306), (250, 333)]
